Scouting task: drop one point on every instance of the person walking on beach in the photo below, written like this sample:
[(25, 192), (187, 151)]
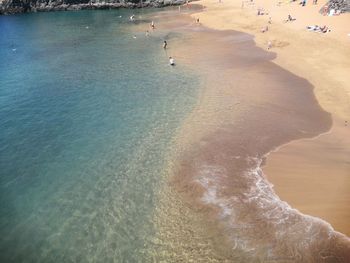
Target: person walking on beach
[(325, 10), (152, 25), (269, 45), (264, 29), (165, 44)]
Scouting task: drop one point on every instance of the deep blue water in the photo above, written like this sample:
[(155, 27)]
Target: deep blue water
[(87, 115)]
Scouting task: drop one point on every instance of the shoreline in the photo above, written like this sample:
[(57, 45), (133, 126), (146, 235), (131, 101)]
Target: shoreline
[(332, 93), (215, 203), (216, 169), (331, 192)]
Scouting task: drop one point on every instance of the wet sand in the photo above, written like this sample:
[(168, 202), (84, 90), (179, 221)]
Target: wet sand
[(217, 195), (316, 169), (317, 182)]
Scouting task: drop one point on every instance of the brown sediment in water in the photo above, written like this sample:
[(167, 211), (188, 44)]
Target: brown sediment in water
[(217, 191)]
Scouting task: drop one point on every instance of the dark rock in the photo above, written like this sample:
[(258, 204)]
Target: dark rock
[(23, 6), (341, 5)]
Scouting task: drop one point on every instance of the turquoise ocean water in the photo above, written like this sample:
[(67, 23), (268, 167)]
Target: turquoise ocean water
[(87, 115)]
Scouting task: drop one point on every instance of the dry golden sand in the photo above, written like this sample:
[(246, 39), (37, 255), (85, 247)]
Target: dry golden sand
[(312, 175)]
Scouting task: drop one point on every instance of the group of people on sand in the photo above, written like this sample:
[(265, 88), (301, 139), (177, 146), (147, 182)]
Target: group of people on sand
[(262, 12), (316, 28)]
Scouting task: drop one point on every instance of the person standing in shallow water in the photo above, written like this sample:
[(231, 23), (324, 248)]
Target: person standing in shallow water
[(171, 61), (165, 44)]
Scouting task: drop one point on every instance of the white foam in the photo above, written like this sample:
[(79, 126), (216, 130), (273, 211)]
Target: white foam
[(208, 177), (257, 204)]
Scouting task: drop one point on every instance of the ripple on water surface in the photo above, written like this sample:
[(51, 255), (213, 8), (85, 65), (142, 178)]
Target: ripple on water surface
[(86, 119)]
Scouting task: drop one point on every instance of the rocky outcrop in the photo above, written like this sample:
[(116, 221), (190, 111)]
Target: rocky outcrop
[(22, 6), (338, 6), (342, 5)]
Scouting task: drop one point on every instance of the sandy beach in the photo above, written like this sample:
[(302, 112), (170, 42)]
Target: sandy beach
[(197, 133), (218, 204), (311, 175)]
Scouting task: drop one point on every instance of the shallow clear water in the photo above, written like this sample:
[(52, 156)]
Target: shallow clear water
[(87, 114)]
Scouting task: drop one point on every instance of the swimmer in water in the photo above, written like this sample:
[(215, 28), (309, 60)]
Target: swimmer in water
[(171, 61)]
